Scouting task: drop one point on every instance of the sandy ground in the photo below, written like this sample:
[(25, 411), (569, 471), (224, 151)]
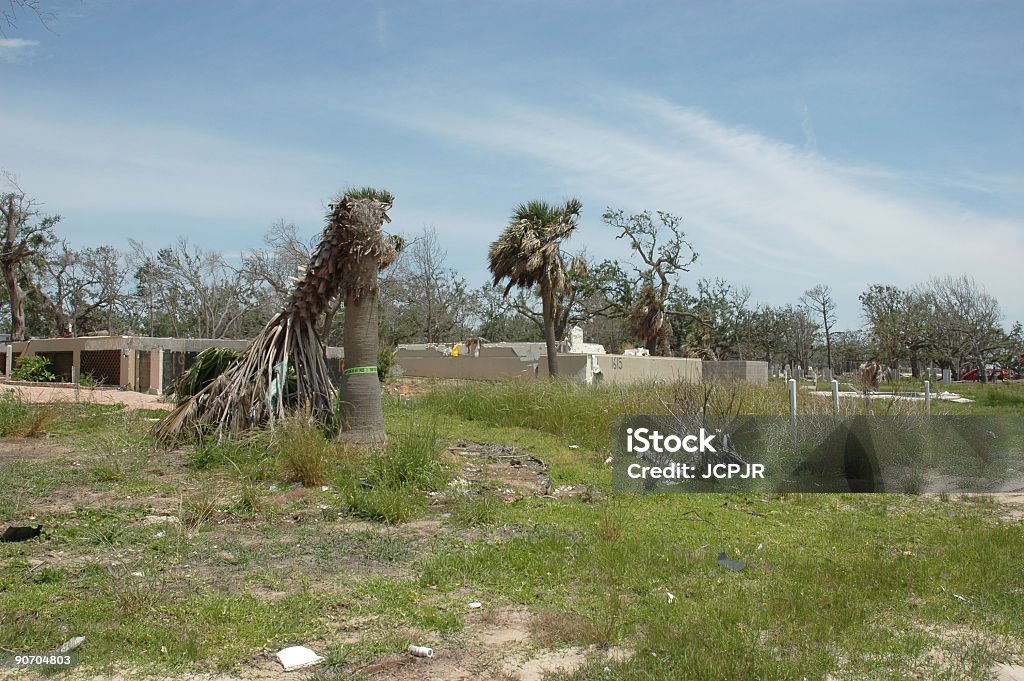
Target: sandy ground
[(46, 394)]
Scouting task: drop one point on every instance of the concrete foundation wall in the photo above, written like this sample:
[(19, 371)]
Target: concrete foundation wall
[(430, 363), (141, 363), (624, 369), (748, 372)]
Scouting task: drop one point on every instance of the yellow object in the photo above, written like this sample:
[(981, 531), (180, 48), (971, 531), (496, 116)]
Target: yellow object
[(455, 350)]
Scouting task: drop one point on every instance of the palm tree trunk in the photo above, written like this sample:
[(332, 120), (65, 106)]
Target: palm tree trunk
[(361, 411), (548, 310)]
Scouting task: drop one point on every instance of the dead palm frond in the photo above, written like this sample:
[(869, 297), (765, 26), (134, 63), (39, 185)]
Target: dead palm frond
[(208, 365), (650, 324), (284, 370)]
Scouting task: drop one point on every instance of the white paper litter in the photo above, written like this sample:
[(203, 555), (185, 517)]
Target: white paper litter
[(298, 657), (475, 604), (71, 644)]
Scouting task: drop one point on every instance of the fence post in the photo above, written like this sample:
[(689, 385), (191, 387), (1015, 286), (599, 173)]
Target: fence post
[(10, 360), (928, 398), (792, 409), (835, 396)]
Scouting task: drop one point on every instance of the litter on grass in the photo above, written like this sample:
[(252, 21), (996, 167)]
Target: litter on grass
[(730, 564), (298, 657)]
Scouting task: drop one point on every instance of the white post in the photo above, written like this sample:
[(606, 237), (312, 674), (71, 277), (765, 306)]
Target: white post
[(792, 409), (835, 396), (10, 360), (928, 398)]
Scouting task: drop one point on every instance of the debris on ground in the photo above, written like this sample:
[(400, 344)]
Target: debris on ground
[(475, 605), (20, 533), (421, 651), (505, 469), (71, 644), (729, 563), (298, 657)]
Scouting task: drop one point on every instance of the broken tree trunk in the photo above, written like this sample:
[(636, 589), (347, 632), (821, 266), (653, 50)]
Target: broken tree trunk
[(284, 370)]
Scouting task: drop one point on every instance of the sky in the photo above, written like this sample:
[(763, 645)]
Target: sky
[(802, 143)]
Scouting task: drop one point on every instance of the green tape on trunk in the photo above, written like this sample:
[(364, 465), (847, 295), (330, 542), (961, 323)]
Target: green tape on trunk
[(360, 370)]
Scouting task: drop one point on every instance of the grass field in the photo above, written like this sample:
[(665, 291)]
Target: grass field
[(210, 559)]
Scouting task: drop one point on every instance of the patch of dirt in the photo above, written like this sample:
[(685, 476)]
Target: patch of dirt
[(1011, 505), (31, 449), (510, 472), (494, 646), (43, 394)]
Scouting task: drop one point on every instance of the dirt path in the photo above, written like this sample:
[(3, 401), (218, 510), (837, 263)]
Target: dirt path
[(43, 394)]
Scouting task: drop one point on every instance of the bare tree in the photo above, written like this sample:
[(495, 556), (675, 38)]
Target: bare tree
[(819, 301), (966, 319), (26, 232), (10, 10), (422, 299), (664, 252), (800, 335), (194, 291)]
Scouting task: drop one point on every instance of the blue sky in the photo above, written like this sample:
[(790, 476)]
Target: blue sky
[(844, 143)]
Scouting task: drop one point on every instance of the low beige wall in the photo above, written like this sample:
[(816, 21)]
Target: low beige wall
[(627, 369), (433, 364), (624, 368), (737, 370)]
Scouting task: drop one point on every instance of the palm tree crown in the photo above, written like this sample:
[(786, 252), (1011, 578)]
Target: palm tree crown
[(528, 252)]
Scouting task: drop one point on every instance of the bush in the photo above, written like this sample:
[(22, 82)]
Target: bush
[(385, 360), (32, 368)]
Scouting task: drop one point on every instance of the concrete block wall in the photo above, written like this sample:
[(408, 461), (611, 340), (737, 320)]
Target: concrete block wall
[(593, 369), (491, 364), (736, 370)]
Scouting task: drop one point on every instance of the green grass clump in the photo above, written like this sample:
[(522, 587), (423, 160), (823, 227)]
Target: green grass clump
[(391, 480), (475, 510), (20, 419), (409, 460), (305, 455)]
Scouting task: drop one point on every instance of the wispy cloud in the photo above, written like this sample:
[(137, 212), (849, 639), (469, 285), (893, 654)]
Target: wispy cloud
[(117, 169), (381, 18), (779, 209), (14, 50)]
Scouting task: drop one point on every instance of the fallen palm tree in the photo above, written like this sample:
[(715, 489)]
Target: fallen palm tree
[(284, 370)]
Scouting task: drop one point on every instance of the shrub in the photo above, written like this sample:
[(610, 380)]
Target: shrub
[(32, 368), (385, 360)]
